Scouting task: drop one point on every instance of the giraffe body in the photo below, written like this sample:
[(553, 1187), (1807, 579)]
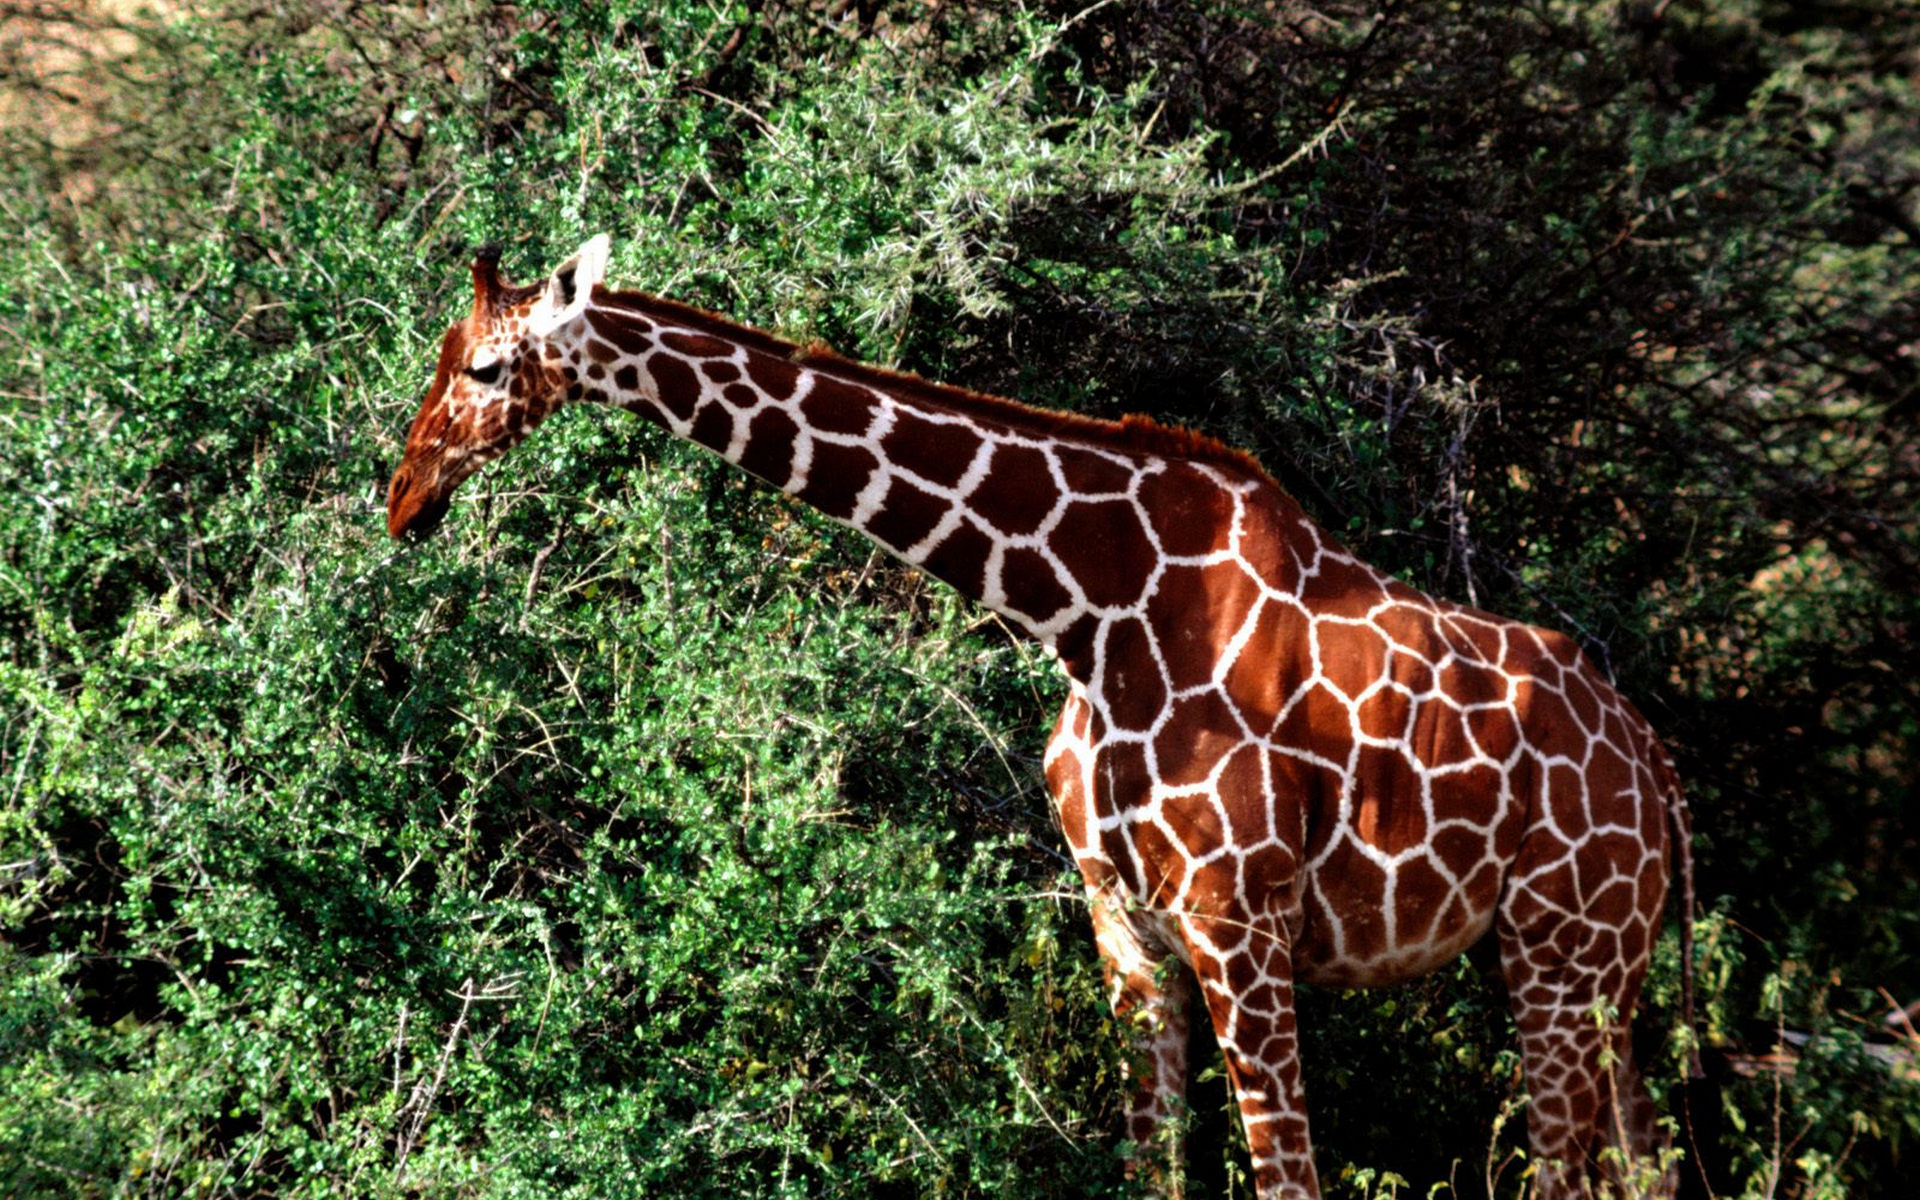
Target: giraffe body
[(1275, 764)]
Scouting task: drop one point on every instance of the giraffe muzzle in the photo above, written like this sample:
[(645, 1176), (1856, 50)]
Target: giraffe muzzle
[(413, 511)]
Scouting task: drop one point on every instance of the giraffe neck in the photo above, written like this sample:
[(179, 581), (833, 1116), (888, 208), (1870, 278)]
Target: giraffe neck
[(1062, 524)]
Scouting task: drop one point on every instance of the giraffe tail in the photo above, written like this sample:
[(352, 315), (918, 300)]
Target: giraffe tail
[(1681, 818)]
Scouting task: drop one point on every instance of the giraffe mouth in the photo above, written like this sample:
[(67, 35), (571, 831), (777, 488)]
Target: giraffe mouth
[(414, 512)]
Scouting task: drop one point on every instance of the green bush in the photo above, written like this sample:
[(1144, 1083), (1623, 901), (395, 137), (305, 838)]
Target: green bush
[(645, 835)]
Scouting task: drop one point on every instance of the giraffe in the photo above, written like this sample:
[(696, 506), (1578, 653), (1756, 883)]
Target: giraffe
[(1275, 764)]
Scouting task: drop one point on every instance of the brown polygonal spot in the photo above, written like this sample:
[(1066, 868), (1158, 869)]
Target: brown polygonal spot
[(961, 558), (713, 426), (1244, 795), (1190, 513), (1269, 869), (740, 395), (1483, 885), (1567, 787), (776, 377), (1474, 635), (1317, 721), (1351, 885), (1131, 683), (837, 476), (1569, 939), (1473, 794), (1613, 905), (939, 453), (1018, 492), (1213, 891), (1461, 849), (1271, 662), (1556, 646), (1164, 863), (1556, 889), (1306, 799), (1105, 549), (1200, 730), (1074, 646), (1616, 729), (1419, 892), (626, 336), (1388, 810), (1410, 672), (1496, 731), (1276, 542), (1196, 821), (906, 515), (1583, 701), (1352, 657), (769, 449), (1549, 723), (1342, 589), (1653, 818), (720, 371), (1457, 918), (1386, 713), (1465, 682), (1193, 611), (1413, 628), (1607, 856), (1027, 580), (1652, 881), (1610, 793), (1116, 846), (1439, 737), (1263, 998), (1121, 778), (1089, 473), (678, 387), (695, 345), (835, 407)]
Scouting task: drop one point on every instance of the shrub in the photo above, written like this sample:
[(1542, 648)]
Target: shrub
[(644, 834)]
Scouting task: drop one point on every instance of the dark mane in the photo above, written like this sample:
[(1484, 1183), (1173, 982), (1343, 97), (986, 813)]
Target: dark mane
[(1134, 433)]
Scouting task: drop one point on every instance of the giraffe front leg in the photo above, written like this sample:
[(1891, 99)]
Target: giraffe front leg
[(1246, 977), (1151, 993)]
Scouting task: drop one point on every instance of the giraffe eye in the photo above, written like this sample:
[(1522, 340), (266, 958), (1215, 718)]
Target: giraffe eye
[(486, 372)]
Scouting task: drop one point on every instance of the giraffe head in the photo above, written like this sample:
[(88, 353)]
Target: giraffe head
[(502, 370)]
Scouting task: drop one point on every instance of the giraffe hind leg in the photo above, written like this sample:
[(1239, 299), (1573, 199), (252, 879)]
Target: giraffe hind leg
[(1151, 991), (1590, 1118)]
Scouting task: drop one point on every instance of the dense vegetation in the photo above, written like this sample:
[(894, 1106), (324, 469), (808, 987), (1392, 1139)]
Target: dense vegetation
[(643, 835)]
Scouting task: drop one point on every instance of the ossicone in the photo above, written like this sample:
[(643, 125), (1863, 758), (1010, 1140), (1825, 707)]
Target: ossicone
[(486, 281)]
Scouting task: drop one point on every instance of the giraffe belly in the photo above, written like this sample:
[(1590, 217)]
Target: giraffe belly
[(1369, 920)]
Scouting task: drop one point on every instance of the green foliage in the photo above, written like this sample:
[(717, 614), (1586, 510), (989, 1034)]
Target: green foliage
[(645, 835)]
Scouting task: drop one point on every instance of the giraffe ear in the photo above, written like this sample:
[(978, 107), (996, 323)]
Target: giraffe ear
[(570, 285)]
